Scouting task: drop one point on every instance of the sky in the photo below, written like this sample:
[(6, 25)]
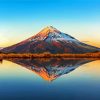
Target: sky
[(21, 19)]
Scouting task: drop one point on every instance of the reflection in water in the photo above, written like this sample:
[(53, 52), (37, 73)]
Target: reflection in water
[(1, 60), (50, 69), (20, 83)]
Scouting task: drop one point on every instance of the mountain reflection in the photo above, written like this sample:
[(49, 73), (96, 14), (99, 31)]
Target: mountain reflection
[(1, 60), (50, 69)]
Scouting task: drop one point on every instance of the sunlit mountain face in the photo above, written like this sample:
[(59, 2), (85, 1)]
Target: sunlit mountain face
[(50, 69), (50, 40)]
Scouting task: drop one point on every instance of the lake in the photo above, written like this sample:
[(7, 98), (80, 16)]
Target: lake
[(54, 79)]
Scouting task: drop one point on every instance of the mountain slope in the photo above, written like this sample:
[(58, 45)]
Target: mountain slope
[(50, 40)]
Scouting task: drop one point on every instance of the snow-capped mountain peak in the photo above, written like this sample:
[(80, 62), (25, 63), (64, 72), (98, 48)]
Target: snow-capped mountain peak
[(46, 31), (51, 40), (52, 33), (50, 29)]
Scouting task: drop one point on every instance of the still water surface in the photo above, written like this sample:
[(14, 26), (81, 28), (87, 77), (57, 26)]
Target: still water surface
[(49, 79)]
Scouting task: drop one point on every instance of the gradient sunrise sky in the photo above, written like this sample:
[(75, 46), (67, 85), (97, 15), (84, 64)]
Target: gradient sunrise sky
[(21, 19)]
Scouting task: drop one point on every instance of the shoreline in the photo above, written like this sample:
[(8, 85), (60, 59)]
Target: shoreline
[(86, 55)]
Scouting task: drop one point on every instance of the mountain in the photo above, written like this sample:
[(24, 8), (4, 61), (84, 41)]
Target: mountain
[(50, 69), (1, 48), (50, 40)]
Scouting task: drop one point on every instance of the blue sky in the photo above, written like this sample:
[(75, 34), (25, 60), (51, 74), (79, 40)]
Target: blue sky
[(20, 19)]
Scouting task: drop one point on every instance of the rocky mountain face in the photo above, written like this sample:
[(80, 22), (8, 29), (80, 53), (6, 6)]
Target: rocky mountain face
[(50, 40)]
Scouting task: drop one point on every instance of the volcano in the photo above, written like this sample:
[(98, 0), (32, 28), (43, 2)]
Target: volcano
[(52, 41)]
